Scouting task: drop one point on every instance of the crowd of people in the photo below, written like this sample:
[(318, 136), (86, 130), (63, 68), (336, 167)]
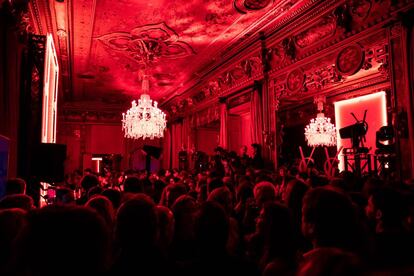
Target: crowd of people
[(232, 218)]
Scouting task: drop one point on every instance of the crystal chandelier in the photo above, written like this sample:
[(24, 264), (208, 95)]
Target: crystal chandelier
[(144, 119), (320, 131)]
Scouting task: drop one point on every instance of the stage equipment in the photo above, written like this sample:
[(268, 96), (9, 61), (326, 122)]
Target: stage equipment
[(356, 132), (358, 153), (385, 155), (145, 119)]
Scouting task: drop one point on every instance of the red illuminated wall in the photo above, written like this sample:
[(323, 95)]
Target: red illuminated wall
[(376, 107), (207, 140), (240, 132)]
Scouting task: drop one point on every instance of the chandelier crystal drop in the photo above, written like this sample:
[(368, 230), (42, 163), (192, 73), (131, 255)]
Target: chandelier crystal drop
[(320, 131), (145, 119)]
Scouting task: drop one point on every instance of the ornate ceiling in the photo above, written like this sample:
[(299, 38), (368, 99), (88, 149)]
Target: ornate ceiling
[(105, 46)]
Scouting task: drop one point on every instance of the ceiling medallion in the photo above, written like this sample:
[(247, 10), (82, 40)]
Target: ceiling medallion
[(243, 6), (295, 80), (148, 43), (350, 60)]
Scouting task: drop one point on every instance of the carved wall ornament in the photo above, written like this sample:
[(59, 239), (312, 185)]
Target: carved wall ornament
[(350, 60), (148, 43), (323, 29), (289, 47), (318, 78), (295, 80), (276, 56), (343, 17), (361, 8), (377, 55), (239, 100)]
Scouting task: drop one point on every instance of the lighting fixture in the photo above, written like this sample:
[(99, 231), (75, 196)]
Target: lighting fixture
[(144, 119), (320, 131)]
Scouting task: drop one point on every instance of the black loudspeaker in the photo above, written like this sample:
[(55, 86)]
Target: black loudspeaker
[(152, 151), (48, 162)]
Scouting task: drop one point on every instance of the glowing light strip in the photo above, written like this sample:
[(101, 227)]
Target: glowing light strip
[(49, 108), (50, 88), (338, 121)]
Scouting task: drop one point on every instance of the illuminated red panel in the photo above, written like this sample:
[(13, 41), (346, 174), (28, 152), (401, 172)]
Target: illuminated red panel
[(376, 106)]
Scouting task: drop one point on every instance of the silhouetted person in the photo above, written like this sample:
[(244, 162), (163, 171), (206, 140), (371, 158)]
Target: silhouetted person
[(103, 207), (87, 182), (166, 223), (257, 160), (329, 220), (184, 209), (330, 261), (136, 233), (114, 196), (15, 186), (21, 201), (211, 233), (133, 185), (12, 223), (65, 240), (393, 245), (278, 254)]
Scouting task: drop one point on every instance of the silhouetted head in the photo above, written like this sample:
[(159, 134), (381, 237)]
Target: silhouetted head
[(136, 223), (387, 207), (114, 196), (329, 218), (21, 201), (263, 192), (12, 223), (89, 181), (15, 186), (173, 192), (103, 206), (330, 261), (223, 197), (133, 185), (72, 239), (211, 228), (166, 225)]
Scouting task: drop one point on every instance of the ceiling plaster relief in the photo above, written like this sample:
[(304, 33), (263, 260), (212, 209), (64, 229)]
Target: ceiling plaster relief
[(366, 61), (148, 44)]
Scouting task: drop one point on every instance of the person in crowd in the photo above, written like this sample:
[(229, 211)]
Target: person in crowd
[(166, 223), (330, 261), (278, 252), (21, 201), (136, 232), (104, 207), (184, 210), (15, 186), (257, 160), (12, 224), (133, 185), (245, 159), (64, 240), (329, 220), (211, 234), (88, 181), (223, 196), (393, 245), (114, 196)]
